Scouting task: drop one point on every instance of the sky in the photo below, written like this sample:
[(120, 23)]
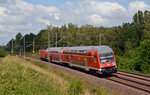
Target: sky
[(30, 16)]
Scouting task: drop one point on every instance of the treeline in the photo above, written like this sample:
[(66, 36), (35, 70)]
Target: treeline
[(3, 53), (130, 41)]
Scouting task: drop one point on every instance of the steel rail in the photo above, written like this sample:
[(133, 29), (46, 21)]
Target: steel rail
[(141, 89), (134, 73), (133, 77)]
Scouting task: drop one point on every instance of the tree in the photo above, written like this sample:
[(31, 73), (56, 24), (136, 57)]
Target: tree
[(143, 59), (147, 17), (138, 18), (18, 42), (29, 41)]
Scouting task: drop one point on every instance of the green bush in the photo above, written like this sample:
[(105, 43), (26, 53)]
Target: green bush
[(3, 53)]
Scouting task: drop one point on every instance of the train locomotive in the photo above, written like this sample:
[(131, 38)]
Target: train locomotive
[(95, 59)]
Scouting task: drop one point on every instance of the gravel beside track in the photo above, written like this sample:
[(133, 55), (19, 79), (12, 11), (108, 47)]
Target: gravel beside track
[(121, 83)]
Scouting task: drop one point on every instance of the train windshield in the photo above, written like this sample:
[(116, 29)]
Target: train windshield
[(106, 57)]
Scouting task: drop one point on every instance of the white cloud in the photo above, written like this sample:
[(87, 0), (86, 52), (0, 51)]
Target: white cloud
[(2, 28), (106, 13), (97, 13), (22, 13), (6, 29), (56, 16), (46, 22), (97, 19), (6, 1), (108, 9), (20, 16), (137, 5), (2, 10), (2, 35), (69, 3)]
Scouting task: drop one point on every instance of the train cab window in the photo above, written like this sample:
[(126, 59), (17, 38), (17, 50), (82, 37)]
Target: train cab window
[(95, 59), (107, 57)]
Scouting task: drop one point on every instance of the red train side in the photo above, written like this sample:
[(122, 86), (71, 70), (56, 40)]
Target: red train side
[(43, 54), (97, 59)]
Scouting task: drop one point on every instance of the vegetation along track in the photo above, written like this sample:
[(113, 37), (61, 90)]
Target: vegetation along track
[(135, 81)]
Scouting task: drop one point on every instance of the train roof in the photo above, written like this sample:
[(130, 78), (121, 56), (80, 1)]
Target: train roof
[(100, 49)]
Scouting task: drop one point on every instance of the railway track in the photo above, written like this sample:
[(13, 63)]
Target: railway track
[(134, 75), (134, 80), (130, 82), (139, 75), (139, 82)]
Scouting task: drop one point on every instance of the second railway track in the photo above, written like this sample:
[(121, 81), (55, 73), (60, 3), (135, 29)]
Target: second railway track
[(134, 83), (133, 75)]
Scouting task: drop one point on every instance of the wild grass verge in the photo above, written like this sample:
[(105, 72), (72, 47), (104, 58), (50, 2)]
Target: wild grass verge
[(16, 79), (76, 86)]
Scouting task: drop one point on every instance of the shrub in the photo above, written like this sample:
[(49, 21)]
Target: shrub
[(3, 53)]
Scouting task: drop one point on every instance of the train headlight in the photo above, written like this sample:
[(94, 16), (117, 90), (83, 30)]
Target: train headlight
[(113, 64)]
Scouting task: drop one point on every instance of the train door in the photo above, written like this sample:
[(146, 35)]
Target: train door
[(47, 54), (60, 58), (86, 65), (70, 60)]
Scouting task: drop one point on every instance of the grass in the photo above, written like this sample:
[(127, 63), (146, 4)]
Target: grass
[(36, 53), (23, 76), (17, 79), (76, 86)]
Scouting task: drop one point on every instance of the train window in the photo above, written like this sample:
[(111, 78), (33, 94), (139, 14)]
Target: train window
[(66, 56), (95, 59), (95, 54), (107, 57), (89, 54), (90, 60), (69, 52)]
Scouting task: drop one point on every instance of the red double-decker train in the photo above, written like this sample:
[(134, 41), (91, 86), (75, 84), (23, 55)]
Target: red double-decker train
[(97, 59)]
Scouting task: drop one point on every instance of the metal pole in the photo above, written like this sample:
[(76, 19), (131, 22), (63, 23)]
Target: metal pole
[(3, 46), (56, 39), (48, 38), (20, 50), (20, 47), (33, 45), (100, 39), (12, 47), (138, 17), (24, 46)]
